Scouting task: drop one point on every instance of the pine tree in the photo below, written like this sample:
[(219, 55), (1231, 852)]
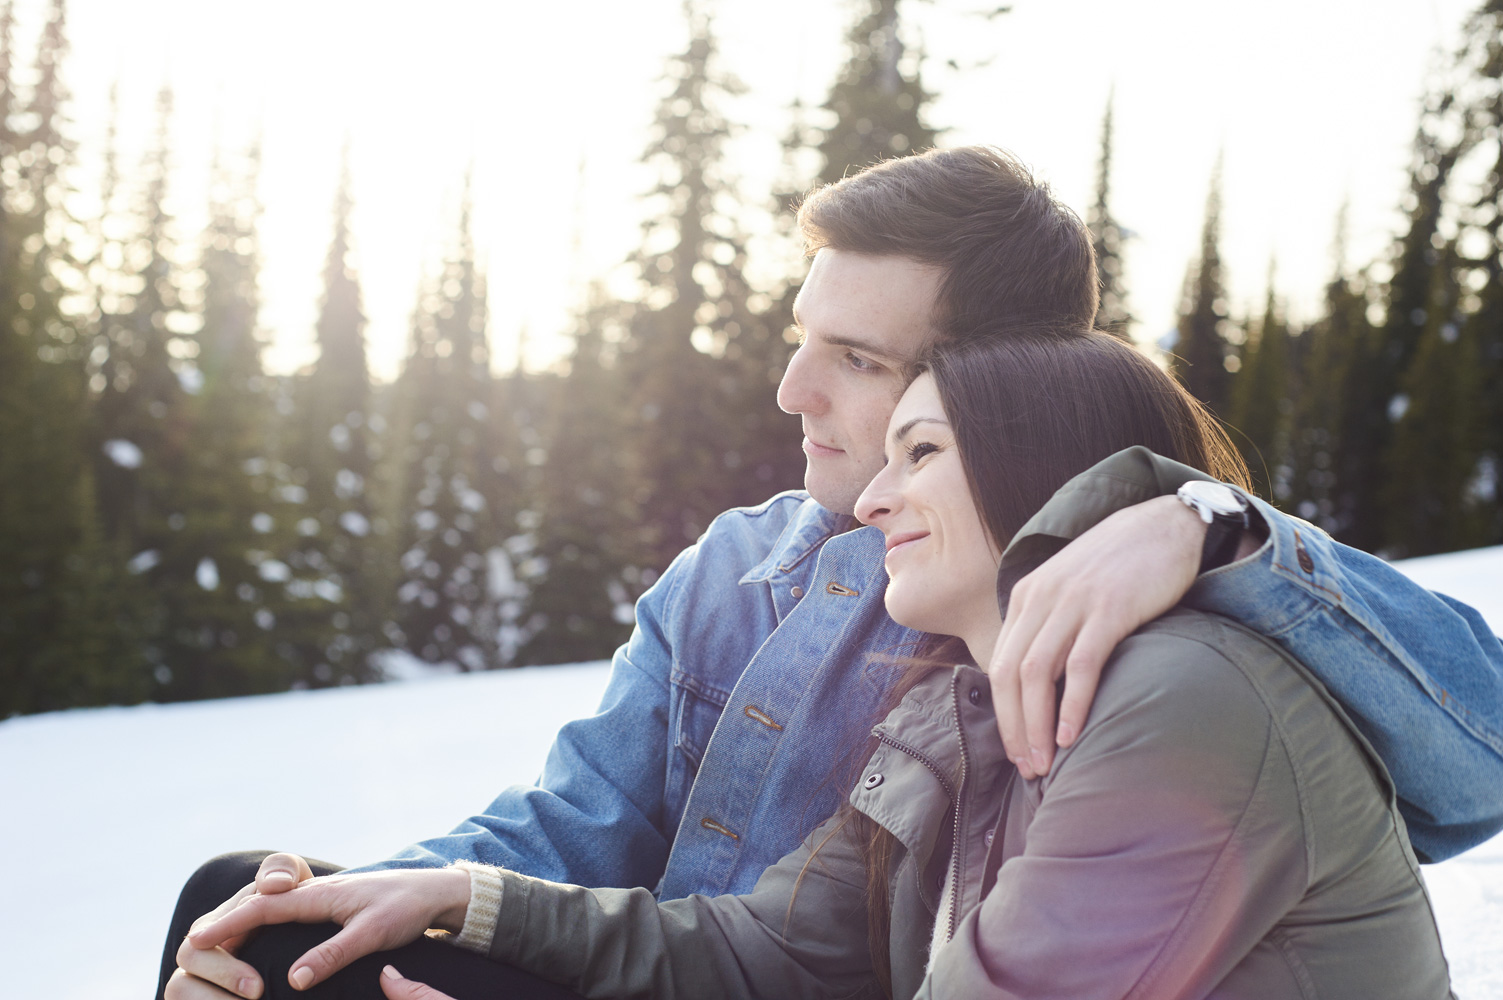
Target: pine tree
[(877, 102), (141, 413), (700, 351), (1261, 402), (1482, 219), (1437, 431), (1331, 362), (1205, 354), (1108, 236), (226, 596), (331, 452), (65, 637), (1375, 399), (576, 566), (449, 525), (583, 563)]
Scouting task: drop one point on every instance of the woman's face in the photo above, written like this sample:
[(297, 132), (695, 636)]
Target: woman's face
[(941, 562)]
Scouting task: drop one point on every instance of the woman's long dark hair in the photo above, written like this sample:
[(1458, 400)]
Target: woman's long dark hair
[(1031, 409)]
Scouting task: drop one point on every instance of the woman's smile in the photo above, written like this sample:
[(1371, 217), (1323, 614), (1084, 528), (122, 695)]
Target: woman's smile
[(903, 540), (941, 562)]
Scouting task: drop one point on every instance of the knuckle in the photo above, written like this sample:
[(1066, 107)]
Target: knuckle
[(1034, 669), (1083, 663), (332, 953)]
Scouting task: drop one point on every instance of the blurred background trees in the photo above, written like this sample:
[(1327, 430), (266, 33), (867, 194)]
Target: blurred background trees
[(176, 522)]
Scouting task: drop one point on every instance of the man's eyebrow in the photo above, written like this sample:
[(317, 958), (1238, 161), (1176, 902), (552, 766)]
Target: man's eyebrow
[(852, 343), (865, 347), (902, 432)]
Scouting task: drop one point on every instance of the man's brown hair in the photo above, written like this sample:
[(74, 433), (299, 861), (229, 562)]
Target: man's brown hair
[(1009, 251)]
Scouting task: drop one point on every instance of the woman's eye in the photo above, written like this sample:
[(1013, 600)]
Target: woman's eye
[(919, 449)]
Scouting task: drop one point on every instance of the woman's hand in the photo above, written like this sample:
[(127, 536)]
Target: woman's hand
[(375, 910), (213, 972), (395, 987), (1067, 616)]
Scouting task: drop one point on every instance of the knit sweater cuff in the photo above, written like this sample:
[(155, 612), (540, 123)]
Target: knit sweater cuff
[(485, 905)]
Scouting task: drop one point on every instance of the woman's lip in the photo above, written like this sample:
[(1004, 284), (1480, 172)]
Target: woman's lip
[(898, 541), (815, 448)]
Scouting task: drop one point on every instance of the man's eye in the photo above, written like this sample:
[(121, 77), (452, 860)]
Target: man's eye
[(859, 363), (919, 449)]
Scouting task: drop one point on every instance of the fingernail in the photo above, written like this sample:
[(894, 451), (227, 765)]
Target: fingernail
[(1066, 734), (278, 876), (302, 978), (1021, 763), (1036, 758), (249, 988), (390, 972)]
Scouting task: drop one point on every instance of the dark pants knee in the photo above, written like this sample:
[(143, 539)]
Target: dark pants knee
[(461, 974), (272, 950), (215, 881)]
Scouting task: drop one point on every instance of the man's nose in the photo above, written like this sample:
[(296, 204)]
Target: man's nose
[(797, 391)]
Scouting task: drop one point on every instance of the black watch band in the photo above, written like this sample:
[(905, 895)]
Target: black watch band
[(1222, 536), (1224, 512)]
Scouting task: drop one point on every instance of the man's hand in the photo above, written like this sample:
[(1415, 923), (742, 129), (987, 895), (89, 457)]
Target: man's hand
[(214, 973), (375, 910), (395, 987), (1067, 616)]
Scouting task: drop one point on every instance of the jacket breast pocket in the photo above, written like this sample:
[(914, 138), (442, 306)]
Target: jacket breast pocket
[(694, 711)]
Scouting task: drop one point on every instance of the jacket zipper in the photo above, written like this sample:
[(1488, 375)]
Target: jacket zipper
[(921, 757), (955, 844), (934, 769)]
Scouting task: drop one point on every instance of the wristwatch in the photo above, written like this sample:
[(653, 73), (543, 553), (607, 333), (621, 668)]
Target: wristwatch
[(1225, 513)]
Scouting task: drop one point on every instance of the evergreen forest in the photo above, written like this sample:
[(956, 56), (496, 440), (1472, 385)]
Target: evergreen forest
[(178, 523)]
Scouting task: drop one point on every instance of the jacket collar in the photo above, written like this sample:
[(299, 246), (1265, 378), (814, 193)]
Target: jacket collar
[(809, 528)]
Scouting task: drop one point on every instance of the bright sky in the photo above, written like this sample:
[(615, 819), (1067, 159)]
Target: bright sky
[(1313, 103)]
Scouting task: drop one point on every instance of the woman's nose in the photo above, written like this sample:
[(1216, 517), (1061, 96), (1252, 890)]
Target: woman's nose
[(878, 499)]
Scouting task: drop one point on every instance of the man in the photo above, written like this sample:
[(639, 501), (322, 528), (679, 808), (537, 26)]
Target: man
[(763, 653)]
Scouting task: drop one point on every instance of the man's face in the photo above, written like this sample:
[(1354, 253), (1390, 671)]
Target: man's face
[(862, 319)]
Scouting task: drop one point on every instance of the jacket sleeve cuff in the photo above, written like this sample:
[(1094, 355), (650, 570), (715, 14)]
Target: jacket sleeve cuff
[(485, 905)]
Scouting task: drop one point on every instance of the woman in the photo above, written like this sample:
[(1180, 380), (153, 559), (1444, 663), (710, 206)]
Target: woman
[(1217, 829)]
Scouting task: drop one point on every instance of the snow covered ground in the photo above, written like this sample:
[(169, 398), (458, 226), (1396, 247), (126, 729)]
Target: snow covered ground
[(104, 812)]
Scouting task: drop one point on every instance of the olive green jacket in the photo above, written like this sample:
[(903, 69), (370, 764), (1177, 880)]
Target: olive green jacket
[(1218, 829)]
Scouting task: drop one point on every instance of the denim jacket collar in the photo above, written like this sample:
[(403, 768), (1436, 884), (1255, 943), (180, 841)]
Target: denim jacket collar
[(804, 534)]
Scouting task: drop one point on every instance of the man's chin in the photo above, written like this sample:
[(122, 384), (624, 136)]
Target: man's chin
[(830, 489)]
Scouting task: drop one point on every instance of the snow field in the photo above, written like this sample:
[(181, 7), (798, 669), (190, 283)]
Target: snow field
[(105, 812)]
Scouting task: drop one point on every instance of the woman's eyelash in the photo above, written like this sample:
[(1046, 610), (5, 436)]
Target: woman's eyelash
[(919, 449)]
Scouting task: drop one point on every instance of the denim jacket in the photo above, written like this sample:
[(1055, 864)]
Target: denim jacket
[(736, 711)]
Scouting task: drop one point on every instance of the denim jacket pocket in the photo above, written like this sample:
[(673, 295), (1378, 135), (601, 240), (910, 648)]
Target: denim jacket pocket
[(694, 710)]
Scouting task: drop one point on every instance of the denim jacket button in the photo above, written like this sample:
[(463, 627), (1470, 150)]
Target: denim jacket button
[(1305, 562), (873, 780), (797, 592)]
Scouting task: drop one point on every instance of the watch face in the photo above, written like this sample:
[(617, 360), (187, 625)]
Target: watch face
[(1217, 497)]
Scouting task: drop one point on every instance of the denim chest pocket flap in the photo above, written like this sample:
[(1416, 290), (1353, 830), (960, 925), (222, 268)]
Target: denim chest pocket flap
[(695, 709)]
